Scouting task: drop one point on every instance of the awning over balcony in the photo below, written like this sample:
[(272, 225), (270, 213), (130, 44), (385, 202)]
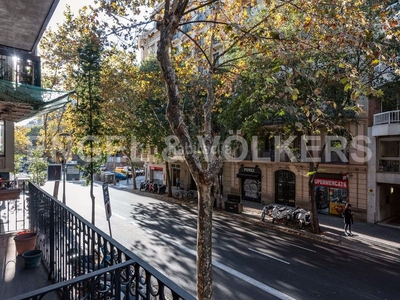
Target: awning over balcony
[(23, 22), (20, 101)]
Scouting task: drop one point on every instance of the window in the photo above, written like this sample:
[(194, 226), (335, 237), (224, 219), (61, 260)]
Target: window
[(285, 187), (389, 155)]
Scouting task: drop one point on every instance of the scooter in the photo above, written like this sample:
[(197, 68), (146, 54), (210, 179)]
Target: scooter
[(143, 185), (267, 210), (154, 188), (283, 212), (161, 188), (302, 217)]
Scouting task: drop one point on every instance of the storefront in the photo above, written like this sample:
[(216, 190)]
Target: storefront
[(250, 183), (156, 173), (331, 191)]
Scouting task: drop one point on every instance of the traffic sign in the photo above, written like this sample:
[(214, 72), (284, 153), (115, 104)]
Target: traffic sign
[(107, 204)]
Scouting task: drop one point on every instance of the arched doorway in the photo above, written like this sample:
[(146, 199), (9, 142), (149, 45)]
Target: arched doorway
[(285, 187)]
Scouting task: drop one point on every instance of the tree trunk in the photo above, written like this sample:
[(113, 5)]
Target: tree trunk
[(168, 179), (313, 169), (92, 194), (314, 214), (204, 242), (203, 176), (133, 175)]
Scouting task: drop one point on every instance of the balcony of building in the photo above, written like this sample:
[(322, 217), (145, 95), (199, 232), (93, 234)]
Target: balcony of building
[(21, 68), (388, 159), (78, 261), (386, 123)]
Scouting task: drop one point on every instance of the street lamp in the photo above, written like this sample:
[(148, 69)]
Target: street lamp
[(64, 161)]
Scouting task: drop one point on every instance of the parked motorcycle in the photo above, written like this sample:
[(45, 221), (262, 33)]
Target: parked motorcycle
[(145, 185), (302, 217), (154, 188), (282, 212), (267, 210), (161, 188)]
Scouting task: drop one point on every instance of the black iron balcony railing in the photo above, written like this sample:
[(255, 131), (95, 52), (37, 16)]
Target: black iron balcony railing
[(85, 263), (13, 208), (21, 67)]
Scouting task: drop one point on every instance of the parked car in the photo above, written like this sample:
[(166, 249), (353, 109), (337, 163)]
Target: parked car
[(119, 176), (139, 172), (124, 170)]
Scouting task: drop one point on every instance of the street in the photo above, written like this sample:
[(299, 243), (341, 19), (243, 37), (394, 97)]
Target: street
[(249, 261)]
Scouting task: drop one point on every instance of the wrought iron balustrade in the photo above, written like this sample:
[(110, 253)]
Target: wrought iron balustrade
[(13, 209), (86, 263)]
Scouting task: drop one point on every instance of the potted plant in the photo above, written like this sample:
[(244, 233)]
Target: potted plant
[(25, 241), (32, 258)]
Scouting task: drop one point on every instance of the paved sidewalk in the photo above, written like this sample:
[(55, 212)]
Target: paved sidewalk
[(381, 238), (384, 238)]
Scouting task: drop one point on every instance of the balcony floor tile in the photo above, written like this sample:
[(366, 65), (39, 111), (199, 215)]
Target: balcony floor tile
[(14, 278)]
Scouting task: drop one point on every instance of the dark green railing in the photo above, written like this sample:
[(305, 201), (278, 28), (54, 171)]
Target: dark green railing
[(86, 263)]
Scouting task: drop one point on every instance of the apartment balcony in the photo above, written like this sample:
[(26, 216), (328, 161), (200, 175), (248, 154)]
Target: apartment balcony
[(386, 123), (78, 261), (24, 68)]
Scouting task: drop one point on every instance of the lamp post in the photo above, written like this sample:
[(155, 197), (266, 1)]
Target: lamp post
[(64, 161), (64, 173)]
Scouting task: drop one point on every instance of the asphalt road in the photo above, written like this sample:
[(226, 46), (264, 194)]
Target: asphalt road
[(249, 261)]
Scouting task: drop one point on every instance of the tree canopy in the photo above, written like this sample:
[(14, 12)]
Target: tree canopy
[(225, 65)]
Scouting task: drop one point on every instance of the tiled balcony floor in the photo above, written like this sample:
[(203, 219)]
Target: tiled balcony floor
[(14, 278)]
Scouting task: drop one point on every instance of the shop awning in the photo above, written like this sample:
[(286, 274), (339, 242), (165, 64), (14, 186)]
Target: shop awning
[(248, 175), (156, 168), (21, 101)]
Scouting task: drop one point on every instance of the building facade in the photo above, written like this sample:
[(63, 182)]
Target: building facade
[(384, 173), (370, 177)]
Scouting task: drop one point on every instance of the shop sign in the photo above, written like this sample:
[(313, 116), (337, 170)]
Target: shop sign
[(341, 184), (156, 168), (255, 170)]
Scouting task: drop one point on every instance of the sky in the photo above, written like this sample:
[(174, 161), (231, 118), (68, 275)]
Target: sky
[(75, 6)]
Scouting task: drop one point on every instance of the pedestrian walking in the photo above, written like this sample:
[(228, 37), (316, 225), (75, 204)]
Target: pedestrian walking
[(178, 184), (348, 219)]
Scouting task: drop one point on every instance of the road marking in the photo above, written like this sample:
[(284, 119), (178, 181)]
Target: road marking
[(118, 216), (112, 214), (270, 256), (123, 203), (252, 281), (266, 288), (294, 245)]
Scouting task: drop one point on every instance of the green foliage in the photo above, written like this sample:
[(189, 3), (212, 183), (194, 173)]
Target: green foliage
[(391, 96), (21, 140), (18, 162), (88, 116), (35, 130), (38, 167)]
